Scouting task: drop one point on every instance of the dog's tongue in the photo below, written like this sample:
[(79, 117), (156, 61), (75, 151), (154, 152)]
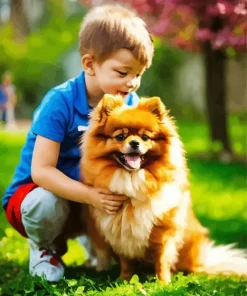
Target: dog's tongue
[(134, 161)]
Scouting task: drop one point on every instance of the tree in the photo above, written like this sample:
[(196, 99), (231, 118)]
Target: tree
[(19, 20), (217, 28)]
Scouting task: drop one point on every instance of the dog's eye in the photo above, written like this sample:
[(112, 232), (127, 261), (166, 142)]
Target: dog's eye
[(145, 137), (120, 137)]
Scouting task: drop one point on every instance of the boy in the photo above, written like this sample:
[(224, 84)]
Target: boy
[(115, 50), (7, 108)]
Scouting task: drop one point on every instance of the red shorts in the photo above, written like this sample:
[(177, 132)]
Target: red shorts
[(13, 210)]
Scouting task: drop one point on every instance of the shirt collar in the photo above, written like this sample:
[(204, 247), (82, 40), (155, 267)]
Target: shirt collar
[(81, 102)]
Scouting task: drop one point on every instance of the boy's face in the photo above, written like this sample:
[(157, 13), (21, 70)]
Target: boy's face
[(120, 73), (7, 79)]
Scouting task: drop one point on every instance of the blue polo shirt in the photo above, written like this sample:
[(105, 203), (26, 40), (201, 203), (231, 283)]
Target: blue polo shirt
[(62, 116)]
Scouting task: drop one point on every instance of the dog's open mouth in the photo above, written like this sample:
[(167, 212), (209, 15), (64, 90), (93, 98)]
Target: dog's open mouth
[(132, 161)]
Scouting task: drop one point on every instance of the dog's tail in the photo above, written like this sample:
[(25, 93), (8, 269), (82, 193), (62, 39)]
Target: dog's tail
[(224, 259)]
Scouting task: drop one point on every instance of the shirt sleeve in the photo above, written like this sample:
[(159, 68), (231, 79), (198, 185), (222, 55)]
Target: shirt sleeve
[(51, 118)]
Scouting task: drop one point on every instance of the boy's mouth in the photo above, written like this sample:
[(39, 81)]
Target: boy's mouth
[(122, 93)]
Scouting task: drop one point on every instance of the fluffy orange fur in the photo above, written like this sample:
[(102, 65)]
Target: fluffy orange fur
[(136, 151)]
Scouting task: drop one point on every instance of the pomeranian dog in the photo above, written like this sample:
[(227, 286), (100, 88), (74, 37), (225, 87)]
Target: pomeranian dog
[(136, 151)]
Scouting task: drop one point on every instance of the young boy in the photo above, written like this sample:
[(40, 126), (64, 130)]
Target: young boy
[(115, 50), (7, 100)]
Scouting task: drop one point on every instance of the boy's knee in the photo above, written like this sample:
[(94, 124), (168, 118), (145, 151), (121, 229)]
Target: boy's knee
[(41, 203)]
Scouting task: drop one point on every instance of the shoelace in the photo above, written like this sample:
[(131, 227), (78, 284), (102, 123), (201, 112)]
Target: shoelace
[(54, 257)]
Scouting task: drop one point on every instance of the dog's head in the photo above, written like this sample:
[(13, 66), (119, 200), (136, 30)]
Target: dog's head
[(130, 137)]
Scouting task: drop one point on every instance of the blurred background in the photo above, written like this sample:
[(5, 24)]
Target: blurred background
[(199, 71), (199, 67)]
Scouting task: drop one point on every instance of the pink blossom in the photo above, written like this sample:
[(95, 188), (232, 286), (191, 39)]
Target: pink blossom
[(240, 9), (189, 23), (162, 27), (204, 34)]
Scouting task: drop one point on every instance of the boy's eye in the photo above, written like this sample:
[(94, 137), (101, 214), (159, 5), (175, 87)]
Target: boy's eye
[(145, 137), (120, 137), (122, 73)]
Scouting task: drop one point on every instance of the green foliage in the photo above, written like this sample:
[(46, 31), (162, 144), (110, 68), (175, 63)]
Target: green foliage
[(36, 64), (159, 79), (198, 134), (219, 199)]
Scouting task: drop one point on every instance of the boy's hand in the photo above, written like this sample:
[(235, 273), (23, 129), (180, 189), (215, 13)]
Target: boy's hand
[(105, 200)]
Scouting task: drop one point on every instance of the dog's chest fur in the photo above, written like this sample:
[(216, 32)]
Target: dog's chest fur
[(128, 231)]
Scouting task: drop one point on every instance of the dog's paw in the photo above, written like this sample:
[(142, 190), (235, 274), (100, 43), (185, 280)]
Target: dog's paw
[(103, 264), (125, 277), (165, 278), (91, 263)]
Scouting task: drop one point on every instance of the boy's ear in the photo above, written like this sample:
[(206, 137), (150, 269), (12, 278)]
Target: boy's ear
[(153, 105), (107, 104), (87, 62)]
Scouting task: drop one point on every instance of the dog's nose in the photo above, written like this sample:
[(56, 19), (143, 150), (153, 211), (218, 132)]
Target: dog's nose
[(134, 144)]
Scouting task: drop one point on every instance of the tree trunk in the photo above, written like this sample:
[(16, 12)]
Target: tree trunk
[(215, 69), (19, 20)]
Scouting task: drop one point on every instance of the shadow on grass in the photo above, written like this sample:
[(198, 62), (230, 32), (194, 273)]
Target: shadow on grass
[(111, 275), (106, 277)]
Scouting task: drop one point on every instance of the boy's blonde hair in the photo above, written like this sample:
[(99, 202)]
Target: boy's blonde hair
[(111, 27)]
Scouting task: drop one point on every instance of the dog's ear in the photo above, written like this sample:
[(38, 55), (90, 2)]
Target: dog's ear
[(153, 105), (107, 104)]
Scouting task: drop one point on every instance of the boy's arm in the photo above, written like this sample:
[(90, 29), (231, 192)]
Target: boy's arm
[(46, 175)]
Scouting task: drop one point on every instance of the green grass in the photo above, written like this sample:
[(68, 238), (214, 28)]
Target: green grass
[(219, 194)]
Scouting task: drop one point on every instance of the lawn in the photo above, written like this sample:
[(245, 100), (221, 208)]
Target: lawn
[(219, 194)]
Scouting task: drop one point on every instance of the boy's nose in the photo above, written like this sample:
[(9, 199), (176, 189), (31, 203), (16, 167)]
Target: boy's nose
[(131, 83)]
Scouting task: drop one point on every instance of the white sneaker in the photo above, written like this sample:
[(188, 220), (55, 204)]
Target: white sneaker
[(44, 262)]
